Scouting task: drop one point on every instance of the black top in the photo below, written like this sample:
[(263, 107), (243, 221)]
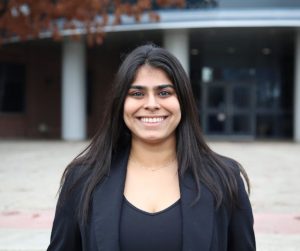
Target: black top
[(140, 230)]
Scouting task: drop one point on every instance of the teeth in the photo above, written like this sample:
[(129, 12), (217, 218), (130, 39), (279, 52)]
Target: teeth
[(152, 120)]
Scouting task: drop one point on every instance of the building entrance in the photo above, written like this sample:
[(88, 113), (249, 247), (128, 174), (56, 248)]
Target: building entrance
[(243, 86), (228, 108)]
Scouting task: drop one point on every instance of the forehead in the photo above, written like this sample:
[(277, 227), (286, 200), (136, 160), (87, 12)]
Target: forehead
[(150, 76)]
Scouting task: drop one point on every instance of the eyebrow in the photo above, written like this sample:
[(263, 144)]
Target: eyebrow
[(159, 87)]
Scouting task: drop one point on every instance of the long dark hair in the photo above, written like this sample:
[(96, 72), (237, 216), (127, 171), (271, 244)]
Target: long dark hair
[(193, 153)]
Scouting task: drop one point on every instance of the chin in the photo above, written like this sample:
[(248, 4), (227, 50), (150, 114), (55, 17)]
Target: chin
[(155, 139), (152, 139)]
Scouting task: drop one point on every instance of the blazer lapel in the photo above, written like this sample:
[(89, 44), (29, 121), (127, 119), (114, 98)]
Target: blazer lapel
[(107, 203), (197, 218)]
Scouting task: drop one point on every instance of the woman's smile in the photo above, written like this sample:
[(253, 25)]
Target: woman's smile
[(153, 120)]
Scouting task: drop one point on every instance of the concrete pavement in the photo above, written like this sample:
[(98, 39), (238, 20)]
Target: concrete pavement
[(30, 173)]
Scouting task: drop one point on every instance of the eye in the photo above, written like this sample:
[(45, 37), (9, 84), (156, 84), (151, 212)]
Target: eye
[(136, 94), (164, 93)]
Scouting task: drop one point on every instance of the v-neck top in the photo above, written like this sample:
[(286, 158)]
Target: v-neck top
[(141, 230)]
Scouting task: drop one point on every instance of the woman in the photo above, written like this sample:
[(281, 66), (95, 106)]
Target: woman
[(148, 181)]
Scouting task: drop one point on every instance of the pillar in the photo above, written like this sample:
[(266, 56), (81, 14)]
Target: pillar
[(177, 42), (73, 90), (297, 89)]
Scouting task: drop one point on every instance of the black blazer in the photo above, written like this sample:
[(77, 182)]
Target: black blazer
[(204, 227)]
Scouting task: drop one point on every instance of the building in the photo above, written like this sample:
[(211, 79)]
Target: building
[(243, 58)]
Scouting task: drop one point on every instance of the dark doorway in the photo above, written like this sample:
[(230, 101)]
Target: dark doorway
[(243, 81)]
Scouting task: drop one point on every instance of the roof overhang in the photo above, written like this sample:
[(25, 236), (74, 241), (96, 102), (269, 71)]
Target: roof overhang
[(214, 18), (204, 18)]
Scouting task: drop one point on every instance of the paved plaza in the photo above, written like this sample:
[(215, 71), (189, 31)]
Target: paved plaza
[(30, 172)]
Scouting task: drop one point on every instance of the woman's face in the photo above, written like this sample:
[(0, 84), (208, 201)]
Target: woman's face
[(151, 108)]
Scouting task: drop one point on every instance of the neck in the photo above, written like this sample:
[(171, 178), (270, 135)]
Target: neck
[(153, 154)]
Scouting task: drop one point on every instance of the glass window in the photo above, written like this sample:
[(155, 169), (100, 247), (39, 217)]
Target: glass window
[(210, 74), (12, 88), (274, 126), (242, 96), (207, 74), (216, 124), (241, 124), (216, 96)]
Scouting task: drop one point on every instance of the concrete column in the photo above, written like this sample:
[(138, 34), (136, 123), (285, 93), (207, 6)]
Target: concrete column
[(73, 90), (177, 42), (297, 89)]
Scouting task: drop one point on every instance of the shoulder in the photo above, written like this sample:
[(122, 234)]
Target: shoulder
[(241, 181), (234, 167), (230, 163), (238, 179), (72, 176), (72, 185)]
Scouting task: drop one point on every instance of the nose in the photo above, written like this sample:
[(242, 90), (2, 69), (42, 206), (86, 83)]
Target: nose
[(151, 103)]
